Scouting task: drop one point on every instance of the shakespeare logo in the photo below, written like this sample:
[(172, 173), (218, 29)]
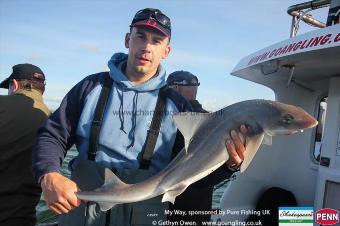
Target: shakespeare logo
[(296, 215)]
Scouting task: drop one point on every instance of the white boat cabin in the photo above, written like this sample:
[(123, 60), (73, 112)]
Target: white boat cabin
[(305, 71)]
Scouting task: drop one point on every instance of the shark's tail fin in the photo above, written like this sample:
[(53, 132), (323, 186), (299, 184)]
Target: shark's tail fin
[(112, 183)]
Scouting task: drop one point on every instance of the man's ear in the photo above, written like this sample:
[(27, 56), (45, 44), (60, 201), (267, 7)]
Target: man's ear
[(166, 52), (127, 39), (16, 85)]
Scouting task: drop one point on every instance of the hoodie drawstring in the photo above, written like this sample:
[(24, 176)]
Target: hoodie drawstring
[(121, 109), (134, 120)]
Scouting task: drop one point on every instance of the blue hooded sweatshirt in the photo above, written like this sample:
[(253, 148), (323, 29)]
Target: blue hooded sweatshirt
[(127, 118)]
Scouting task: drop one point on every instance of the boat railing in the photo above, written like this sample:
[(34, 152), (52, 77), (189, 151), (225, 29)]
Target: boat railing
[(300, 12)]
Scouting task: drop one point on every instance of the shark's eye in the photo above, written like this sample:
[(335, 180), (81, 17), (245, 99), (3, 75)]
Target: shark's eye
[(287, 119)]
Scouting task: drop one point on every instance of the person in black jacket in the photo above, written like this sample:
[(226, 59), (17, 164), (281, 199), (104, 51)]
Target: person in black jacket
[(186, 84), (22, 112)]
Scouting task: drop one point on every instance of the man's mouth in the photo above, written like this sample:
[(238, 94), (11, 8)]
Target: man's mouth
[(143, 60)]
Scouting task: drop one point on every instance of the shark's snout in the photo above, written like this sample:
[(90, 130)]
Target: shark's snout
[(309, 122)]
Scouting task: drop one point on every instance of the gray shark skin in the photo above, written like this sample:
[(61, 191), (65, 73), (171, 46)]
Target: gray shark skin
[(205, 135)]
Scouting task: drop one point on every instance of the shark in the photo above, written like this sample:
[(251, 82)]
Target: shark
[(205, 150)]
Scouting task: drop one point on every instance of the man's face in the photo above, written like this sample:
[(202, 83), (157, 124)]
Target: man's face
[(189, 92), (147, 47)]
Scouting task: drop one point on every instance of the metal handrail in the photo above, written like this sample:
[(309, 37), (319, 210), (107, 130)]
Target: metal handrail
[(296, 12)]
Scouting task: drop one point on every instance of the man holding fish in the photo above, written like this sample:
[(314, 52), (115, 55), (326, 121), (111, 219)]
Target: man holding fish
[(122, 120)]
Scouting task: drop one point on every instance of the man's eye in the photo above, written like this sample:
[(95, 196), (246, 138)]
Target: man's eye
[(157, 41), (139, 35)]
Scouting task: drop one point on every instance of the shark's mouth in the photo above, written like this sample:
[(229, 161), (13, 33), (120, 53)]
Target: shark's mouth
[(282, 132)]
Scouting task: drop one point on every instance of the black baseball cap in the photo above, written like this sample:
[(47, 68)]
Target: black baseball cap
[(182, 78), (24, 71), (153, 18)]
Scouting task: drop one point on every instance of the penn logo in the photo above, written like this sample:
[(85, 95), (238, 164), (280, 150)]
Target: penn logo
[(327, 216)]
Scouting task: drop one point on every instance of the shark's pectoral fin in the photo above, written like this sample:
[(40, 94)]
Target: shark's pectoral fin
[(105, 206), (171, 195), (253, 144)]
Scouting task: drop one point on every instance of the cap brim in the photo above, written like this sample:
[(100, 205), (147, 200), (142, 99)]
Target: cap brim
[(5, 84), (183, 84), (154, 26)]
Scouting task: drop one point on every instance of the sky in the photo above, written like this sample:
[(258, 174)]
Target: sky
[(70, 39)]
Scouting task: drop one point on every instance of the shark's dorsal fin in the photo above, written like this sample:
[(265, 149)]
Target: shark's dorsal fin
[(171, 195), (188, 123), (111, 178), (252, 145), (111, 181)]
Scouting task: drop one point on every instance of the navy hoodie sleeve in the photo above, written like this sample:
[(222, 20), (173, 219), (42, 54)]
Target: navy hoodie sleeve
[(57, 135)]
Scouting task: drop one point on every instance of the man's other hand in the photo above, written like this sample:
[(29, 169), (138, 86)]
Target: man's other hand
[(236, 147)]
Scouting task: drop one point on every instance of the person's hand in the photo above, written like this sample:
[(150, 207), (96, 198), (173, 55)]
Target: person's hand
[(236, 147), (59, 192)]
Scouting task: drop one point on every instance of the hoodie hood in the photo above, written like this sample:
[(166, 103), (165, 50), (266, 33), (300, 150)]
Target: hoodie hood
[(116, 63), (128, 94)]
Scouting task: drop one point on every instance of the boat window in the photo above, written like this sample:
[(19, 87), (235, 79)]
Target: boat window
[(320, 128)]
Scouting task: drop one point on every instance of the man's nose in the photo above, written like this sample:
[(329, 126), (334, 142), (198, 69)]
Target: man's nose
[(147, 45)]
